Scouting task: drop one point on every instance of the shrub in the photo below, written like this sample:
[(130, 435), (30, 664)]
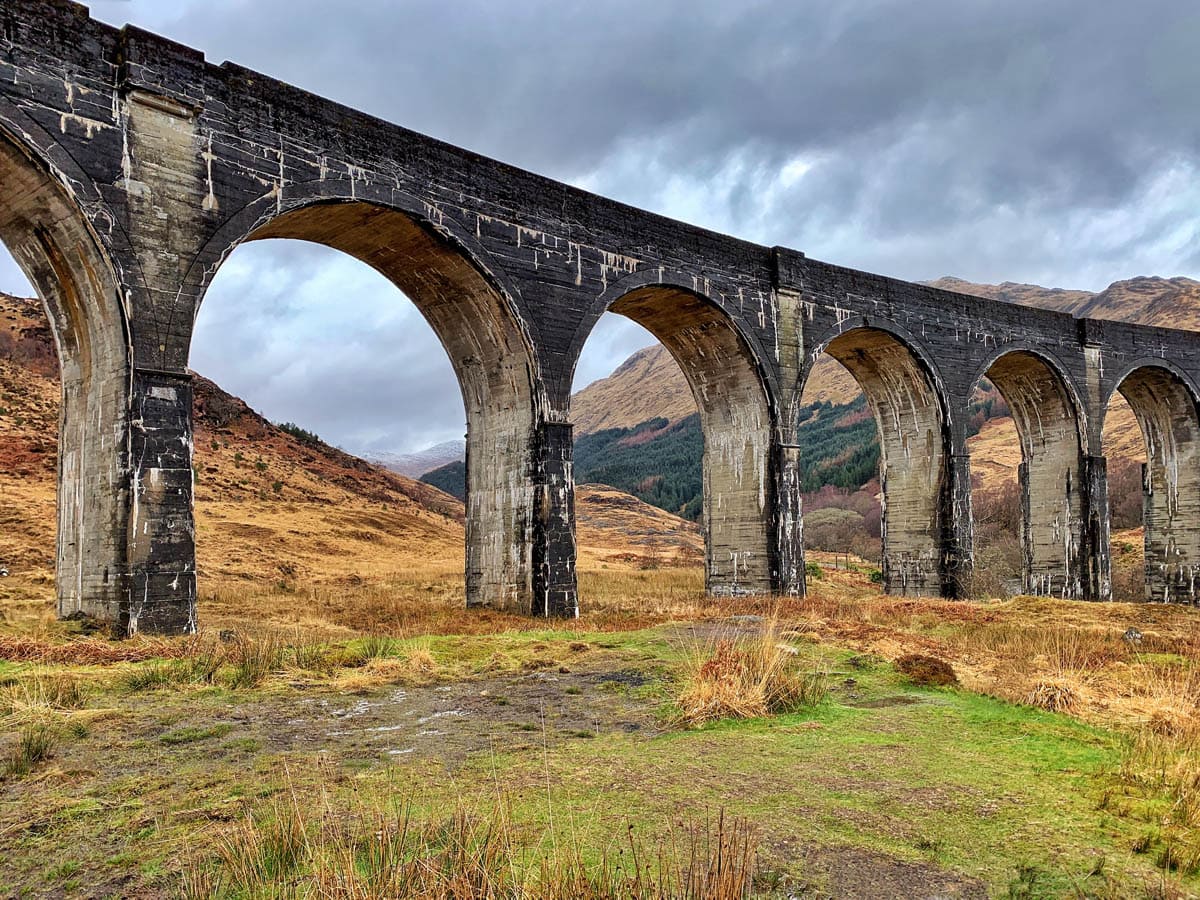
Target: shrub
[(926, 670), (814, 571)]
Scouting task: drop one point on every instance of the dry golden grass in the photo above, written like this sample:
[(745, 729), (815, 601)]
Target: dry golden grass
[(390, 851), (1056, 653), (84, 651), (747, 677), (39, 697)]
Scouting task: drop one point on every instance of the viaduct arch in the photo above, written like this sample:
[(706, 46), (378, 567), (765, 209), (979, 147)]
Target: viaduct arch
[(130, 167)]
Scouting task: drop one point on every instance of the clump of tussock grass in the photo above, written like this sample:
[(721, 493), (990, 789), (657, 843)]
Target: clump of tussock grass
[(34, 745), (244, 662), (253, 659), (747, 678), (313, 655), (158, 673), (377, 646), (201, 664), (421, 663), (473, 851), (39, 696), (1053, 695)]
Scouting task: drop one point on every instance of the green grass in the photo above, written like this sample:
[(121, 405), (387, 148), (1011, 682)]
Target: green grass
[(192, 733), (1002, 793)]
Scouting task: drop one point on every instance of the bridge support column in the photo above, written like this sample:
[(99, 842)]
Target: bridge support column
[(1096, 559), (159, 592), (958, 536), (555, 588), (787, 572)]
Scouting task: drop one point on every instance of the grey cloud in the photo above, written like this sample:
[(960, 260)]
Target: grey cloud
[(1056, 93), (309, 335), (997, 139)]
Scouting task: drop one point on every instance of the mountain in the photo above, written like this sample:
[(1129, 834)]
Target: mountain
[(1146, 300), (659, 391), (414, 465), (1058, 299)]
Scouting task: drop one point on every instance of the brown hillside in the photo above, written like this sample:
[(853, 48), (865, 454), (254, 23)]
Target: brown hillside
[(1167, 302), (1146, 300), (647, 385), (1059, 299), (269, 506)]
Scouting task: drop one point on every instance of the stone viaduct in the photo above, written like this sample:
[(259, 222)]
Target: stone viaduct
[(130, 168)]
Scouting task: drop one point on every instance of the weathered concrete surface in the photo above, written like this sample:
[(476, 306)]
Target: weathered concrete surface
[(130, 168), (1051, 475), (901, 393), (1166, 411), (736, 421)]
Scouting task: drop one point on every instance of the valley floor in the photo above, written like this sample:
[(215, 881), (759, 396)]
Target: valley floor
[(1064, 764)]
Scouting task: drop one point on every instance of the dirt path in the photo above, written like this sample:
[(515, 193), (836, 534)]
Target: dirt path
[(448, 722)]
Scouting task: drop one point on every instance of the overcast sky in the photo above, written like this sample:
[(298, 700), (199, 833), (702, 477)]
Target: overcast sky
[(1021, 140)]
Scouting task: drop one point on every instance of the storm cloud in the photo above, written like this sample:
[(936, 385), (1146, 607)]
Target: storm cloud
[(1057, 143)]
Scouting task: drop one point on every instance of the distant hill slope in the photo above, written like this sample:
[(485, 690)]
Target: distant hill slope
[(1146, 300), (648, 385), (270, 504), (1166, 302), (1060, 299)]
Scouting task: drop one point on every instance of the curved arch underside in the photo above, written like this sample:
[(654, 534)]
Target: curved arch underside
[(1167, 415), (912, 456), (1051, 474), (495, 369), (49, 238), (736, 423)]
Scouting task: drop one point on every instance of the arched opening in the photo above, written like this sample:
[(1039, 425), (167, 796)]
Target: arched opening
[(492, 362), (1124, 452), (638, 468), (734, 428), (901, 397), (1050, 474), (1168, 460), (54, 247), (994, 446)]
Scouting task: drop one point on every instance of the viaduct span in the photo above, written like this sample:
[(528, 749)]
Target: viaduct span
[(130, 168)]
